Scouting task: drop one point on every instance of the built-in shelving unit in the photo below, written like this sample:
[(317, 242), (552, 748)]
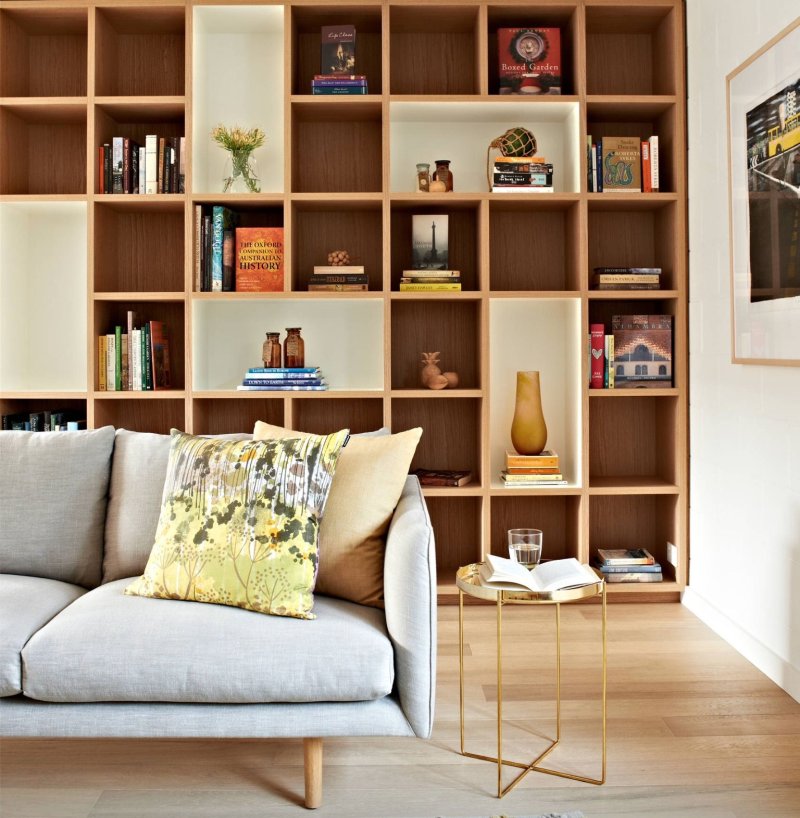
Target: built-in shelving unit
[(338, 172)]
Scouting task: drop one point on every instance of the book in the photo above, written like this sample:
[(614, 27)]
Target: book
[(428, 288), (151, 163), (159, 355), (243, 388), (522, 189), (338, 50), (425, 274), (334, 81), (430, 280), (340, 91), (597, 349), (267, 383), (637, 576), (222, 219), (111, 362), (610, 374), (621, 164), (259, 259), (207, 236), (228, 260), (642, 349), (292, 371), (142, 185), (546, 458), (598, 157), (625, 556), (345, 269), (534, 470), (102, 351), (338, 288), (555, 575), (160, 143), (655, 179), (116, 164), (647, 172), (652, 568), (443, 477), (508, 484), (340, 77), (339, 278), (627, 271), (624, 278), (429, 242), (516, 477), (101, 166), (533, 179), (529, 60)]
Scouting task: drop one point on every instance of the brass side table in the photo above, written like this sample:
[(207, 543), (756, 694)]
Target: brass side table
[(468, 582)]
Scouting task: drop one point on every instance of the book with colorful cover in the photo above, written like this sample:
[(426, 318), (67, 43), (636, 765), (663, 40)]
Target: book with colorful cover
[(420, 287), (545, 459), (516, 477), (287, 371), (429, 242), (443, 477), (259, 259), (622, 164), (243, 388), (338, 50), (529, 60), (634, 576), (222, 219), (625, 556), (597, 340), (642, 350), (159, 355)]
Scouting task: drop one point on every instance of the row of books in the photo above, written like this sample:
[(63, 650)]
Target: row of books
[(341, 278), (627, 565), (48, 420), (524, 471), (158, 166), (623, 164), (514, 174), (626, 278), (636, 354), (283, 379), (430, 281), (229, 258), (339, 84), (134, 358)]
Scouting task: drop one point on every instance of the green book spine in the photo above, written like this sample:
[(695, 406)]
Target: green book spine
[(118, 363)]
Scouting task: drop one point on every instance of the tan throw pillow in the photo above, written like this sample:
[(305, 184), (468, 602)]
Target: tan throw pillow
[(369, 480)]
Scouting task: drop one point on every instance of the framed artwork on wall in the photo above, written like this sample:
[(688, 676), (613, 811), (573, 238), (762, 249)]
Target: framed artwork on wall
[(763, 103)]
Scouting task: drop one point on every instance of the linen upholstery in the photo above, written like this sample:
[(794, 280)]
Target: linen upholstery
[(410, 588), (54, 488), (239, 522), (150, 650), (369, 481), (26, 604), (138, 471)]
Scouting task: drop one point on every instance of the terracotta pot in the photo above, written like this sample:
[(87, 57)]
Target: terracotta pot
[(528, 429)]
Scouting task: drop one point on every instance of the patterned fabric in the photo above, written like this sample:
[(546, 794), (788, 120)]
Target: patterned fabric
[(239, 522)]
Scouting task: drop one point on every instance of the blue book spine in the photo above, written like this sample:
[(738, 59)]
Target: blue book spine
[(270, 370), (337, 83), (267, 384), (339, 91), (282, 388), (655, 568), (216, 248), (599, 165)]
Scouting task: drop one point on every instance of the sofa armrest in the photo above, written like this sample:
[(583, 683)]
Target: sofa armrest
[(410, 597)]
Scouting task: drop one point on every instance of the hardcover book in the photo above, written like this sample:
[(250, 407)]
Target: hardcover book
[(429, 238), (642, 350), (622, 164), (259, 259), (159, 355), (338, 50), (529, 60), (625, 556), (443, 477)]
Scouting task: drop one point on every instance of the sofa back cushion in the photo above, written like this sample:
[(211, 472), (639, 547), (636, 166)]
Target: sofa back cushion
[(54, 489), (138, 472)]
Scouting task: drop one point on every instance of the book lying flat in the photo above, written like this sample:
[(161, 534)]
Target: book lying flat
[(625, 556), (556, 575)]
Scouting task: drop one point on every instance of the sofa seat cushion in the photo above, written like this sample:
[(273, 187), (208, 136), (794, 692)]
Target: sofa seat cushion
[(26, 604), (111, 647)]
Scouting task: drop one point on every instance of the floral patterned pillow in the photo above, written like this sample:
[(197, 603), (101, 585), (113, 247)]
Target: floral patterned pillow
[(239, 522)]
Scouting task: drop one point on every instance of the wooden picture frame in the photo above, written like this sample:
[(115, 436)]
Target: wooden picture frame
[(763, 110)]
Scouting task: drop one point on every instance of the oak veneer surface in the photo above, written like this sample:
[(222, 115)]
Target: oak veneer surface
[(694, 731)]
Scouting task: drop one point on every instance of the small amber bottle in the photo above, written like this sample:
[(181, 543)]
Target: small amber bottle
[(294, 349), (444, 174), (271, 350)]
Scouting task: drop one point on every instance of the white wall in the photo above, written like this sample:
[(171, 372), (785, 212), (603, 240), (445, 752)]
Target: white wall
[(744, 573)]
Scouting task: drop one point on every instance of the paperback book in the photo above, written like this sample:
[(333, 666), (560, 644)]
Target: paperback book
[(338, 50), (429, 237), (555, 575)]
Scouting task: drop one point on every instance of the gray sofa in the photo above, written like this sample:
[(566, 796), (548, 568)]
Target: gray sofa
[(78, 512)]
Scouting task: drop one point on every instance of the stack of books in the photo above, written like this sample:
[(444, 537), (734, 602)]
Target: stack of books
[(532, 471), (346, 278), (339, 84), (430, 281), (626, 278), (628, 565), (515, 174), (283, 379)]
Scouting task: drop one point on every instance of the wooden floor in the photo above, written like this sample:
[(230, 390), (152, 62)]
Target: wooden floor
[(693, 730)]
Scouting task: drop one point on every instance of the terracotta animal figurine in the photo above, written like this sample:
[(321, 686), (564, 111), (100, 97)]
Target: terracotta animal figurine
[(432, 375)]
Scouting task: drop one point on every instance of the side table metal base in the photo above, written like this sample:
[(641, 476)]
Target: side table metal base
[(533, 766)]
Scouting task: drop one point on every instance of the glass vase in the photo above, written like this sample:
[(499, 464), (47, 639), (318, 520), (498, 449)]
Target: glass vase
[(241, 173)]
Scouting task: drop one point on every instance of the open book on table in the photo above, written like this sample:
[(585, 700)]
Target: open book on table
[(556, 575)]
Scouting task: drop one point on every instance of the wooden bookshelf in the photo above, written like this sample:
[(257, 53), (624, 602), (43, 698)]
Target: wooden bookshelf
[(338, 173)]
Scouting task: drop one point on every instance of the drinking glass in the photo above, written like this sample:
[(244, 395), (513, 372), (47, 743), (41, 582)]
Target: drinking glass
[(525, 546)]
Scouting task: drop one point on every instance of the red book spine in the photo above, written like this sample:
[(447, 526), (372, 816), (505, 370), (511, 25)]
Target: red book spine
[(647, 176), (598, 344)]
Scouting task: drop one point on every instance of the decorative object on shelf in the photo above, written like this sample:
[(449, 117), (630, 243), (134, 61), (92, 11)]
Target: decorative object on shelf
[(423, 177), (339, 258), (271, 350), (294, 349), (241, 173), (432, 376), (516, 142), (529, 60), (528, 428), (443, 174)]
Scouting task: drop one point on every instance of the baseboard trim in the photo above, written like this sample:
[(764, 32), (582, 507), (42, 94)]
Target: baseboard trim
[(768, 662)]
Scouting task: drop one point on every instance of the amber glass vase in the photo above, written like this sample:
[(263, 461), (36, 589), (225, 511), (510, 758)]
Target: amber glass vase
[(528, 429)]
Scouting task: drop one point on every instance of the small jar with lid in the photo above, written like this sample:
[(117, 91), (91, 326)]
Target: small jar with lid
[(271, 350), (444, 174), (294, 349), (423, 177)]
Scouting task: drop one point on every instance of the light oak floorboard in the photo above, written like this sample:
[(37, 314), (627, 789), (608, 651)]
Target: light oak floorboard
[(694, 731)]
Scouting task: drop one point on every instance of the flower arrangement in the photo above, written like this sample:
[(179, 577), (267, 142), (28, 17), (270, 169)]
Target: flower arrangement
[(240, 144)]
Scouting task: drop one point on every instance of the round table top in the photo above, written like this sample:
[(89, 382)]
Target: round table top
[(468, 580)]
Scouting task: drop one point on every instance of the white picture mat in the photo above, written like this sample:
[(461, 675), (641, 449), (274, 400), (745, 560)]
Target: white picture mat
[(765, 331)]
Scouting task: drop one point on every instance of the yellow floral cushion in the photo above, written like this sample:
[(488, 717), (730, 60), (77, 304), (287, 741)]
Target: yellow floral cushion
[(239, 522)]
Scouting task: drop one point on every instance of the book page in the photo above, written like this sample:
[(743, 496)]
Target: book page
[(560, 574)]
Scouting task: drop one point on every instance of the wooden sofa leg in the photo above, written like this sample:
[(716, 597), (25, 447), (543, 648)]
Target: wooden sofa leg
[(312, 757)]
